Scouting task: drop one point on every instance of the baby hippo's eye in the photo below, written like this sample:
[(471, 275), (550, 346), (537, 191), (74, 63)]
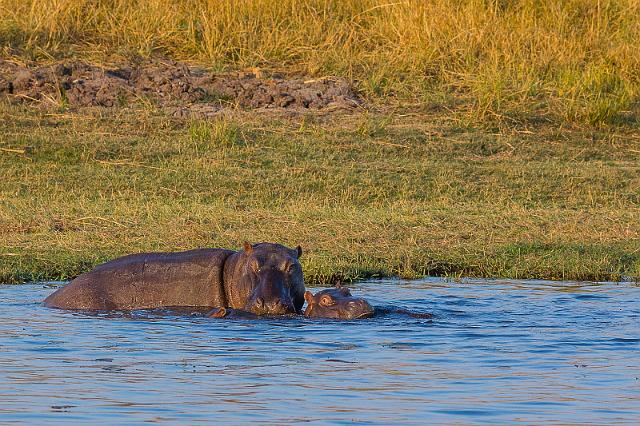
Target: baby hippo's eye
[(326, 300)]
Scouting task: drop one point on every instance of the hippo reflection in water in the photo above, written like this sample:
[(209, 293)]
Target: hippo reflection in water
[(263, 279)]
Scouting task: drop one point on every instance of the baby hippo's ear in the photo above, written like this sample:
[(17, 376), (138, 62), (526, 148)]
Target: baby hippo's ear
[(218, 313), (248, 248), (299, 250), (308, 297)]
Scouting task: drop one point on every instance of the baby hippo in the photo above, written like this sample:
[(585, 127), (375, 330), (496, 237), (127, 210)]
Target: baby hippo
[(336, 303)]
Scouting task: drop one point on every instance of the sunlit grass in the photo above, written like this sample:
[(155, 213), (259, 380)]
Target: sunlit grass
[(510, 61), (364, 194)]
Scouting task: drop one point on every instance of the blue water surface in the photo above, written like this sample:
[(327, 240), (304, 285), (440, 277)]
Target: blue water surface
[(495, 352)]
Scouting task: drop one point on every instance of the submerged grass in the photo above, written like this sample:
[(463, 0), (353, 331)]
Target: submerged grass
[(365, 194), (491, 60)]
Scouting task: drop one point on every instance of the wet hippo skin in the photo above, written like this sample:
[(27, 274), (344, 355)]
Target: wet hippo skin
[(264, 278)]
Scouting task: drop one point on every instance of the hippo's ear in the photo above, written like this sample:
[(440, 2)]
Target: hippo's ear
[(308, 297), (248, 248), (218, 313), (299, 250)]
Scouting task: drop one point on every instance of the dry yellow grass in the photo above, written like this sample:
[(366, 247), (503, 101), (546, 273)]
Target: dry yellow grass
[(521, 60)]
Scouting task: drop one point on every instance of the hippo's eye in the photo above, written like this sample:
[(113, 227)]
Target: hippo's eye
[(326, 300)]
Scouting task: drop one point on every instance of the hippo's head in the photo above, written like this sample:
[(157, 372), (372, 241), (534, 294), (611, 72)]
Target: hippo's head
[(268, 280), (336, 303)]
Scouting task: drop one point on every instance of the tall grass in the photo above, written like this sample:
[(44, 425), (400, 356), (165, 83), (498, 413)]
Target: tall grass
[(570, 60)]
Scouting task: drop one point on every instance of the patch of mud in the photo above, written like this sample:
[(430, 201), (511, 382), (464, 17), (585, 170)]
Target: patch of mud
[(175, 86)]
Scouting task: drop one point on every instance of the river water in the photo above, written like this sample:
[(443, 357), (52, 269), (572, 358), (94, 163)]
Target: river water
[(495, 352)]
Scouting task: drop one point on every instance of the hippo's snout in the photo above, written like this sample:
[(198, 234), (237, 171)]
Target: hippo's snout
[(280, 308), (272, 307), (359, 308), (271, 295)]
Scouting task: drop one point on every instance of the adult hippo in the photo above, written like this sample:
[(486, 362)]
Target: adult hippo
[(264, 279)]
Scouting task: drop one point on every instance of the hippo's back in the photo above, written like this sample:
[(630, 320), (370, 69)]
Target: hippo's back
[(148, 280)]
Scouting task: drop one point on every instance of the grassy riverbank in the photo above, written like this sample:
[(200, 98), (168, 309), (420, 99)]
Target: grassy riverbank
[(366, 194), (495, 138)]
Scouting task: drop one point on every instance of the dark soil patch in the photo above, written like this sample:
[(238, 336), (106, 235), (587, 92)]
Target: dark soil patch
[(182, 89)]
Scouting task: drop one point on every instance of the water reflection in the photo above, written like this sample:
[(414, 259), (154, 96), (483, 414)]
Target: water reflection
[(495, 352)]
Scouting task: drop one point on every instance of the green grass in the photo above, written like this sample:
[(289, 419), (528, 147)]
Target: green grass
[(365, 194)]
